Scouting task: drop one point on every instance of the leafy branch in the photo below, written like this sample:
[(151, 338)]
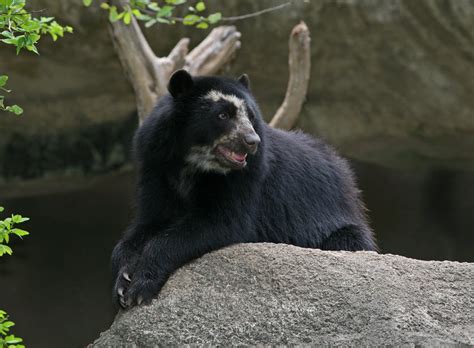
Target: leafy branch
[(151, 13), (20, 29), (10, 108), (8, 228)]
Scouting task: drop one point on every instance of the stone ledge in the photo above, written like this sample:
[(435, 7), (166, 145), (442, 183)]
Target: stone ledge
[(275, 294)]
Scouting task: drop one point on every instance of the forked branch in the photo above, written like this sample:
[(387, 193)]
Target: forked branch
[(299, 70), (149, 74)]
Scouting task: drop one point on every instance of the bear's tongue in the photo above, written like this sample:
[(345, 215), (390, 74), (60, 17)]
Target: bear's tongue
[(235, 156), (238, 156)]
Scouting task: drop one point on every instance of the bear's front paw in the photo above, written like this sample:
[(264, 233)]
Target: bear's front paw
[(141, 290), (122, 283)]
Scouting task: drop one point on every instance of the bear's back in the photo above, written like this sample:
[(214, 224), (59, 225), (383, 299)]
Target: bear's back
[(308, 188)]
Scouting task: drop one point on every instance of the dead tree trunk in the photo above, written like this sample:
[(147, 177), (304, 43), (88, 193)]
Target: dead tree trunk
[(299, 61), (149, 74)]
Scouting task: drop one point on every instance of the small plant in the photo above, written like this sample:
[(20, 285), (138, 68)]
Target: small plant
[(6, 340), (9, 227), (11, 108)]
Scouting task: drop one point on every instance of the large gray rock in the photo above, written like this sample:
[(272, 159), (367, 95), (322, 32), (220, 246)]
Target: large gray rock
[(273, 294)]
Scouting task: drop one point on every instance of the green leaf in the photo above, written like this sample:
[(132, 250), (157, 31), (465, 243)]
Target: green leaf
[(200, 6), (15, 109), (2, 209), (87, 3), (113, 15), (46, 19), (150, 23), (32, 48), (12, 339), (127, 18), (5, 249), (8, 324), (163, 20), (137, 13), (154, 6), (20, 233), (214, 18), (3, 80), (191, 19), (19, 219), (13, 41), (8, 34), (202, 25), (165, 11), (6, 223)]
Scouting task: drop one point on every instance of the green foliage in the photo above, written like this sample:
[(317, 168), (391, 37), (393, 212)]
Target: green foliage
[(8, 228), (23, 31), (7, 340), (10, 108), (20, 29), (151, 13)]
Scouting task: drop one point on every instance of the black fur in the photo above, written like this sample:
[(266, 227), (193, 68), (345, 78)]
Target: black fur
[(294, 190)]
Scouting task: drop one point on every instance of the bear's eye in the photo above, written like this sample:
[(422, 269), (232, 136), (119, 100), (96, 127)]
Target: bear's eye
[(223, 116)]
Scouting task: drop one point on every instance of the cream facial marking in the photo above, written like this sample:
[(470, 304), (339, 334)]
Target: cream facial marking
[(242, 117), (204, 158), (215, 96)]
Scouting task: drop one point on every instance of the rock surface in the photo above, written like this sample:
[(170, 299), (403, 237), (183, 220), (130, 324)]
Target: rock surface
[(270, 294)]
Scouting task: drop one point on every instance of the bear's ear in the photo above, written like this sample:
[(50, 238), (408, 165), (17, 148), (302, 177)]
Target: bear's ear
[(244, 81), (180, 82)]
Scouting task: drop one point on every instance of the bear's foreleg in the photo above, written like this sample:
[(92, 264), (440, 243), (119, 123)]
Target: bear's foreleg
[(170, 249), (125, 257)]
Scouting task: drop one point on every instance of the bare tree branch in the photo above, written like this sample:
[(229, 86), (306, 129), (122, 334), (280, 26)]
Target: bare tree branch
[(299, 67), (218, 47), (149, 74), (139, 63)]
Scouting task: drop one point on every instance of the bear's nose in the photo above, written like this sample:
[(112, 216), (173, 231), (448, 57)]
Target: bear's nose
[(251, 141)]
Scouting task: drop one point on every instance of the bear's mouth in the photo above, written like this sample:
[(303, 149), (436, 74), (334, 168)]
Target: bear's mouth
[(232, 158)]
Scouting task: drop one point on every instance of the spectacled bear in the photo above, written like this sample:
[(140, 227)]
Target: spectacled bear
[(212, 173)]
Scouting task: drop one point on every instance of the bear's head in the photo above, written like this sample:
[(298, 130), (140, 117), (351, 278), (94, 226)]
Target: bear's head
[(220, 121)]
